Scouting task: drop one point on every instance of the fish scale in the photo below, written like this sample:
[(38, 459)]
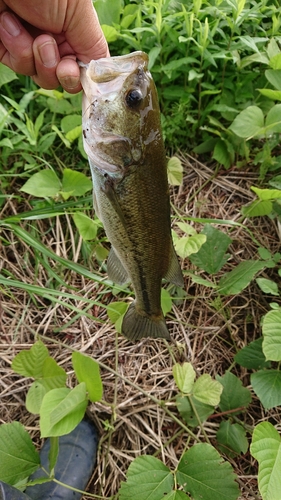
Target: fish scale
[(123, 140)]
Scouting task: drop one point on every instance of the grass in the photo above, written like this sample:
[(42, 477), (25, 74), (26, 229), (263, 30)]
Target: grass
[(206, 330)]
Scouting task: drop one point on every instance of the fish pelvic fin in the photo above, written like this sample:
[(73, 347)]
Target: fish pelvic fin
[(115, 269), (137, 324), (174, 273)]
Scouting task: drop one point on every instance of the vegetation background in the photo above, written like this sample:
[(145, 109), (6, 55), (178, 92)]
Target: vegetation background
[(217, 68)]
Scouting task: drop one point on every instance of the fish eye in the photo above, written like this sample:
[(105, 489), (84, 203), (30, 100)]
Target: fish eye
[(134, 98)]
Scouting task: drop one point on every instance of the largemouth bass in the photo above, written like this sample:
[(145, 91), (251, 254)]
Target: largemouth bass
[(123, 141)]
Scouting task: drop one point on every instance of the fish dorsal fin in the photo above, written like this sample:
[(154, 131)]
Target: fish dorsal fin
[(115, 269), (174, 273)]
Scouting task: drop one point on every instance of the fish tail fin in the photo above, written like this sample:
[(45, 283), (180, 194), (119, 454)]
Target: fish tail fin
[(137, 325)]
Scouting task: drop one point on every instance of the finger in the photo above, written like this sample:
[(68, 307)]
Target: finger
[(83, 32), (15, 45), (46, 59), (68, 74)]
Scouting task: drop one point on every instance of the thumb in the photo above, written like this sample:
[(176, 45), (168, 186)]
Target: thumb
[(83, 32)]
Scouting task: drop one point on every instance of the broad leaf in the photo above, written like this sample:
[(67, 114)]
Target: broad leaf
[(251, 356), (186, 409), (186, 246), (234, 395), (271, 329), (18, 456), (35, 397), (207, 390), (75, 182), (232, 438), (175, 171), (176, 495), (274, 77), (147, 479), (184, 376), (257, 208), (236, 280), (211, 256), (87, 370), (30, 363), (266, 449), (43, 184), (268, 286), (62, 410), (53, 375), (87, 227), (267, 194), (205, 475), (249, 123), (267, 386), (6, 75), (273, 120)]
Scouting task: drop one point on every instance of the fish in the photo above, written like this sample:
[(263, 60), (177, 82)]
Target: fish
[(123, 141)]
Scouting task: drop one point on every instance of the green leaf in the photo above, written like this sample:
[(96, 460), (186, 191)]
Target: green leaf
[(268, 286), (271, 329), (147, 479), (30, 363), (267, 194), (251, 356), (18, 456), (75, 182), (62, 410), (187, 245), (87, 370), (176, 495), (257, 208), (236, 280), (234, 395), (249, 123), (221, 154), (43, 184), (184, 376), (87, 227), (203, 473), (211, 256), (166, 301), (116, 312), (273, 120), (266, 449), (267, 386), (35, 397), (7, 75), (207, 390), (175, 171), (70, 122), (53, 375), (186, 409), (275, 95), (232, 438)]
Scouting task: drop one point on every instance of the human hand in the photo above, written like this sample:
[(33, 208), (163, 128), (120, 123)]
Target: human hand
[(44, 38)]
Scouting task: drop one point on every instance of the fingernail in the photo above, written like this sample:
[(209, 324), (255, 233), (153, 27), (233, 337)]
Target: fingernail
[(48, 54), (10, 24), (70, 82)]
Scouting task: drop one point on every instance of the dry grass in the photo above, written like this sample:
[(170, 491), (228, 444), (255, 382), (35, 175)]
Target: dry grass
[(206, 331)]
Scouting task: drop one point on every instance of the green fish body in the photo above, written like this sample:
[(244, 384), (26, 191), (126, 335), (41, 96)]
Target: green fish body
[(122, 137)]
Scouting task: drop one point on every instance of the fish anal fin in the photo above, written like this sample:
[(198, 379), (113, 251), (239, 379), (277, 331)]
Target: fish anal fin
[(137, 324), (115, 269), (174, 273)]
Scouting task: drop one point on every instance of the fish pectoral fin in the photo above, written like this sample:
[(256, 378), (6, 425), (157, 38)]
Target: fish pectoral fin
[(112, 197), (174, 273), (115, 269), (137, 325)]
